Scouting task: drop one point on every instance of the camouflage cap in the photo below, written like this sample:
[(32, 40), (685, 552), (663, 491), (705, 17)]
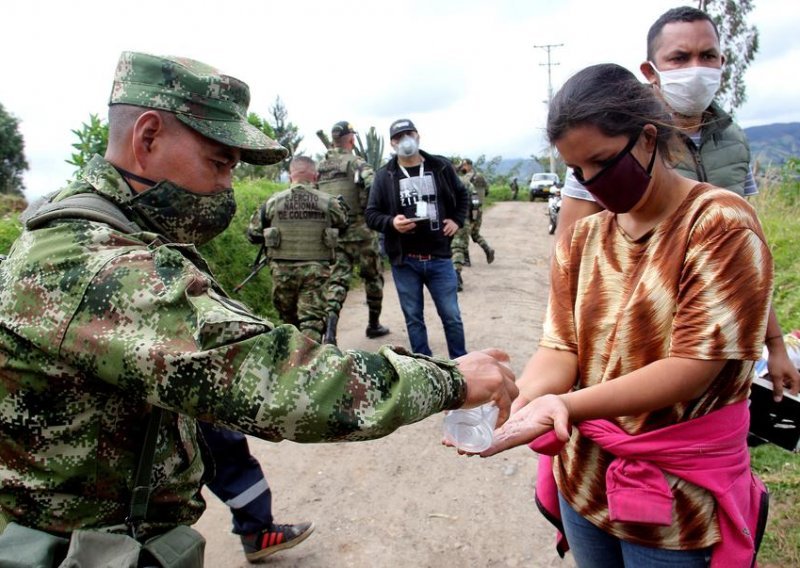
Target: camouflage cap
[(341, 128), (213, 104)]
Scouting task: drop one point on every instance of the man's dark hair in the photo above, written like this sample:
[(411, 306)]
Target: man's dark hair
[(681, 14), (612, 99)]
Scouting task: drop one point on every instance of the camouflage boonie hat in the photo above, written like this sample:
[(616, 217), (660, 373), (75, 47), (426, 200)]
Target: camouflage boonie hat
[(213, 104)]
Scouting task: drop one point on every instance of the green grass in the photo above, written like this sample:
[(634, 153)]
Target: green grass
[(10, 228), (231, 255), (780, 470), (503, 193), (778, 206)]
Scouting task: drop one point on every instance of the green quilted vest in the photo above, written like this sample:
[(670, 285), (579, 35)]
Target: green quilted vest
[(723, 157)]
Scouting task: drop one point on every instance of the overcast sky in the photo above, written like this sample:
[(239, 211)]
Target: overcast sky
[(466, 72)]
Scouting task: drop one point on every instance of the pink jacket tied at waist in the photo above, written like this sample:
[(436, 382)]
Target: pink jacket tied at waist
[(709, 451)]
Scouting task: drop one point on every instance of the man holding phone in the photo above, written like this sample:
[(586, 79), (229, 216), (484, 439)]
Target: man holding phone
[(418, 203)]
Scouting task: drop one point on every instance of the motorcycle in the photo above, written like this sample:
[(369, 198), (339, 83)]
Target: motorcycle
[(553, 208)]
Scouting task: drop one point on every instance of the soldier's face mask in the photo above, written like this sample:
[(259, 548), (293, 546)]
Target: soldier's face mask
[(622, 183), (180, 214)]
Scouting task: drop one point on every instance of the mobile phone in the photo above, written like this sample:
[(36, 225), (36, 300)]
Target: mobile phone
[(418, 219)]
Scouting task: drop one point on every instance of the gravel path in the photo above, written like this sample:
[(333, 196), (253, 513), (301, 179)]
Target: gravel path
[(405, 500)]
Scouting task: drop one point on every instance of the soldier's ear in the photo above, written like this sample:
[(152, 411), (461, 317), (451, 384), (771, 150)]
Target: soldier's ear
[(146, 131)]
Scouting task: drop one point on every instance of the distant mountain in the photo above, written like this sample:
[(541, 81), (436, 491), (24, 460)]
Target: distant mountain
[(773, 144), (770, 144), (527, 167)]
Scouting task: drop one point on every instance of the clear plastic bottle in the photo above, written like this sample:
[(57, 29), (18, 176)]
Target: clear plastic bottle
[(471, 430)]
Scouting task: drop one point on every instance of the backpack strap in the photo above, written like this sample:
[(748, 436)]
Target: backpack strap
[(94, 207), (142, 483), (88, 206)]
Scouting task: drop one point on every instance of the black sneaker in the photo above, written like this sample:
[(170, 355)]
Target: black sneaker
[(258, 546), (490, 256), (460, 282)]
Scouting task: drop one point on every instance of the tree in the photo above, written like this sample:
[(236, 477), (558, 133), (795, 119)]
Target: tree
[(12, 155), (286, 133), (739, 45), (251, 171), (373, 152), (92, 139)]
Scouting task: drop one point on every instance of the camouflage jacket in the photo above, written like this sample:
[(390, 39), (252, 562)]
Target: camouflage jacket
[(97, 325), (356, 168)]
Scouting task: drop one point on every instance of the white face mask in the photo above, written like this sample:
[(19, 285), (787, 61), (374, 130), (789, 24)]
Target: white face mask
[(407, 146), (689, 90)]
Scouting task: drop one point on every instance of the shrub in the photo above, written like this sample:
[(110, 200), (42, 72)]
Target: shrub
[(230, 255)]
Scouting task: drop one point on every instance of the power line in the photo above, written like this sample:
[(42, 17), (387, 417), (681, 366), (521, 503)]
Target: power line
[(549, 47)]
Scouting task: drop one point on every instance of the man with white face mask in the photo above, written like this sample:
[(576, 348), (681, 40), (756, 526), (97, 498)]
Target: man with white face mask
[(418, 203), (684, 63)]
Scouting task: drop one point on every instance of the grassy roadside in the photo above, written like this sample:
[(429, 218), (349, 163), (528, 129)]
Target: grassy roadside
[(778, 206)]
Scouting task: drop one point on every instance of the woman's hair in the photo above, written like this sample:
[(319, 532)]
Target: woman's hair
[(613, 100)]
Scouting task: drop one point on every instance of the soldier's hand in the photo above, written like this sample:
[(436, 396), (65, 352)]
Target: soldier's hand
[(489, 379)]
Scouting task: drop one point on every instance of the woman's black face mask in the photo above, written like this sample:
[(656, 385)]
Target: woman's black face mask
[(622, 183)]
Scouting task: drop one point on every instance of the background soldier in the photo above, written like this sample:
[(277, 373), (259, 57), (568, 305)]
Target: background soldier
[(514, 189), (299, 228), (460, 244), (480, 191), (343, 173), (114, 318)]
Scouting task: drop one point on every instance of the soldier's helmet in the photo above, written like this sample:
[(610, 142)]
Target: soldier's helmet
[(213, 104)]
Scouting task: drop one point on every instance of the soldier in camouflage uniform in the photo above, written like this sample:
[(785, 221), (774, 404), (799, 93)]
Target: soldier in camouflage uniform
[(481, 190), (514, 189), (299, 227), (478, 189), (460, 244), (343, 173), (102, 320)]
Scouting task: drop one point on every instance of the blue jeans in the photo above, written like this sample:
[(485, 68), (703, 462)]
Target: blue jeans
[(592, 547), (440, 278)]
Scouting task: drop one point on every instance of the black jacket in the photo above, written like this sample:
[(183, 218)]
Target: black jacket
[(384, 199)]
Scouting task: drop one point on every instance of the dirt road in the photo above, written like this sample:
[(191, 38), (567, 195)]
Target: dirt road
[(405, 500)]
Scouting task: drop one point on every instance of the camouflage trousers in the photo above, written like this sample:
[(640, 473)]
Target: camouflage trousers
[(366, 254), (475, 231), (298, 294), (460, 246)]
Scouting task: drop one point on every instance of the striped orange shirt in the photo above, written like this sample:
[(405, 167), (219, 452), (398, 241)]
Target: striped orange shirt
[(697, 286)]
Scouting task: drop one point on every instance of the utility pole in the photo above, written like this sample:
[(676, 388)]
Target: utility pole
[(548, 47)]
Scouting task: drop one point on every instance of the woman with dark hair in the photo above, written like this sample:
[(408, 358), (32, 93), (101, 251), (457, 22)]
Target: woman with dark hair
[(657, 312)]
